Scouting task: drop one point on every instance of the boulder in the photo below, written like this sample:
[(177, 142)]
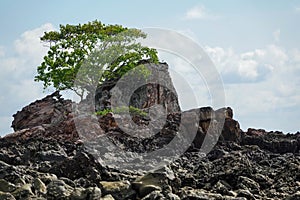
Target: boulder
[(57, 189), (49, 117), (23, 192), (6, 196), (157, 180), (6, 186), (118, 189)]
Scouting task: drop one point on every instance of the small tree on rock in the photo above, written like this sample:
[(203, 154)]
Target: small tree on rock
[(109, 51)]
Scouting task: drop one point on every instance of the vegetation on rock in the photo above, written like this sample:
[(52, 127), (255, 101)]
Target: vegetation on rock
[(109, 51), (123, 110)]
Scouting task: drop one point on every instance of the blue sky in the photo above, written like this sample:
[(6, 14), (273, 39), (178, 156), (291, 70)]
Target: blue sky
[(255, 46)]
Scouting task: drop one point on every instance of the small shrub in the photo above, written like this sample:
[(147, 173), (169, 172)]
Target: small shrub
[(122, 110)]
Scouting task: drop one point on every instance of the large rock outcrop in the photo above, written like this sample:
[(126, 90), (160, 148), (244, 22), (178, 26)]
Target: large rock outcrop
[(145, 96), (47, 158)]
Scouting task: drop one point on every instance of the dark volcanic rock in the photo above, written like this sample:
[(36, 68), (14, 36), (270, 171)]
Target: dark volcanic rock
[(276, 142), (47, 158), (145, 96)]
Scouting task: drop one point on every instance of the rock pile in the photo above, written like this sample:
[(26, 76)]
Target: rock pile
[(44, 159), (48, 157)]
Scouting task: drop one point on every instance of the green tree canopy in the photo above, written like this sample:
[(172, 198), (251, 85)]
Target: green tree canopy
[(109, 51)]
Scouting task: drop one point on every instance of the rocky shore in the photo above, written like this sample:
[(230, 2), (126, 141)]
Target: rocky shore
[(46, 159), (56, 153)]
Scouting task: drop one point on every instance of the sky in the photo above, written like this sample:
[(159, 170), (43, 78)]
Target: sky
[(254, 45)]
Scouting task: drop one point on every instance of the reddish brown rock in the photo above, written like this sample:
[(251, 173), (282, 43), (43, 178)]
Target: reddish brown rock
[(50, 110), (50, 117), (146, 96), (219, 124), (274, 141)]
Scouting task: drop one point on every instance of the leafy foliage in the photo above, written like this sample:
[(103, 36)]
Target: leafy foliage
[(123, 110), (109, 51)]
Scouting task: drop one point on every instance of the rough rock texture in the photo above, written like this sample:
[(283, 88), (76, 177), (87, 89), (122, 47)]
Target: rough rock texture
[(49, 117), (46, 157), (276, 142), (145, 96)]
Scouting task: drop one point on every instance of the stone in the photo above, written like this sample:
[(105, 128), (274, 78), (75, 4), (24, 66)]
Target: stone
[(232, 193), (68, 181), (39, 186), (247, 183), (78, 194), (114, 186), (118, 189), (190, 193), (6, 196), (231, 130), (94, 193), (107, 197), (152, 181), (82, 182), (48, 117), (147, 188), (52, 155), (19, 181), (165, 172), (295, 196), (57, 189), (23, 192), (145, 96), (263, 181), (6, 186), (265, 140), (222, 188), (154, 195), (47, 177), (245, 193), (172, 196)]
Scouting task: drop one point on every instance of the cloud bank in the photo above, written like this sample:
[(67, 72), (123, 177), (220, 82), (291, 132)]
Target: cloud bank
[(262, 85), (18, 69)]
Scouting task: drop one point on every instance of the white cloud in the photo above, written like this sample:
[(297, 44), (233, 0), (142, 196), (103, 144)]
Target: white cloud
[(29, 43), (187, 82), (267, 101), (276, 35), (297, 9), (199, 12), (262, 85), (276, 55), (248, 66), (266, 89), (17, 73)]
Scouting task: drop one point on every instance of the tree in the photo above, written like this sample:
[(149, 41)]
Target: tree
[(109, 50)]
